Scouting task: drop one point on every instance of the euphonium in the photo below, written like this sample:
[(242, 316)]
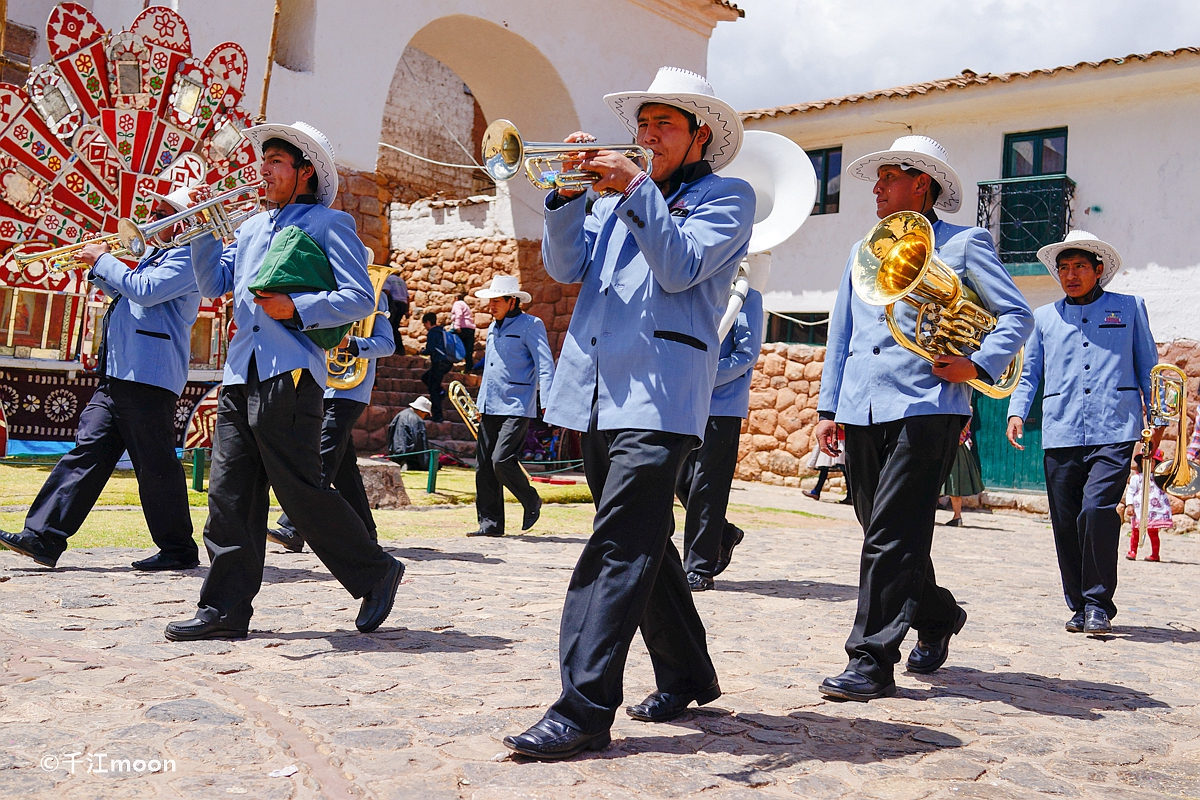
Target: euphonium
[(505, 153), (896, 262), (1168, 404), (347, 371)]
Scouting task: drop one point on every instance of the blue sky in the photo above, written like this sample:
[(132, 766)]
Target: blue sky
[(792, 51)]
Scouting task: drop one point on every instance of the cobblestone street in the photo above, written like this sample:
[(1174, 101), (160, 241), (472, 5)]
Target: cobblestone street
[(417, 710)]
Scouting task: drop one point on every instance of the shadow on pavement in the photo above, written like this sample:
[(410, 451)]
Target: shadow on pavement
[(795, 590), (535, 538), (1037, 693), (294, 574), (390, 640), (1152, 635), (432, 554)]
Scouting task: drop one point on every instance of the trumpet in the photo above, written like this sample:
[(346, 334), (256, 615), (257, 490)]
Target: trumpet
[(505, 153), (217, 216), (63, 259), (896, 262)]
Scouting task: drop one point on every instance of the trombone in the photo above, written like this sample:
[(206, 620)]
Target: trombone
[(219, 216), (505, 153)]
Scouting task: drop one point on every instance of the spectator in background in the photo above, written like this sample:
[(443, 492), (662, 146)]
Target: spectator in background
[(440, 362), (965, 478), (462, 320), (406, 434), (1194, 447), (397, 291)]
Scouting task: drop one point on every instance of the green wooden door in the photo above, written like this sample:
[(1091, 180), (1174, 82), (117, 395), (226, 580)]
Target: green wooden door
[(1003, 466)]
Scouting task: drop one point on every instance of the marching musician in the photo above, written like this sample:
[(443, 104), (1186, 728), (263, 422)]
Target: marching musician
[(902, 419), (707, 474), (656, 257), (269, 413), (143, 366), (516, 365), (343, 407), (1093, 352)]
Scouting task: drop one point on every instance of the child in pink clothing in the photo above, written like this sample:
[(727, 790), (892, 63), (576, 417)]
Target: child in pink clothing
[(1160, 511)]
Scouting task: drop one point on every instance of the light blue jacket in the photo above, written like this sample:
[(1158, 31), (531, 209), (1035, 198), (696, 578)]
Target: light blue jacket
[(276, 347), (868, 378), (380, 344), (150, 330), (656, 274), (516, 363), (1095, 361), (739, 354)]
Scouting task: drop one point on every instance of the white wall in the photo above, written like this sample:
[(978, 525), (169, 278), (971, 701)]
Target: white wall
[(1131, 150)]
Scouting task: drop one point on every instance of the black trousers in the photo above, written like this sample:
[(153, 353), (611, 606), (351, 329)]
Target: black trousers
[(122, 415), (1084, 485), (703, 488), (432, 378), (501, 440), (468, 339), (896, 471), (268, 435), (628, 576), (339, 460)]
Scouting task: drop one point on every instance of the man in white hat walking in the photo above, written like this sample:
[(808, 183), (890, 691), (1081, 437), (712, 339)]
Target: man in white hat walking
[(516, 364), (269, 413), (1093, 352), (143, 365), (902, 419), (656, 257)]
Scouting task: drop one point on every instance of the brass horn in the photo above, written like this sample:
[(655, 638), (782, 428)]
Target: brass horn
[(347, 371), (460, 398), (896, 262), (1168, 404), (505, 153), (63, 259)]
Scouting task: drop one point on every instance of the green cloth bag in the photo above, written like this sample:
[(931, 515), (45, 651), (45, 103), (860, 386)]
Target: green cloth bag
[(295, 263)]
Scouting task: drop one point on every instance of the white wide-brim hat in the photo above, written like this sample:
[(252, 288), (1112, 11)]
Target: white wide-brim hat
[(422, 404), (178, 199), (1082, 240), (688, 92), (312, 143), (915, 152), (504, 286)]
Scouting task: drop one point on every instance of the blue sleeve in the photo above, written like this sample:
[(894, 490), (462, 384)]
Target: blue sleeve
[(382, 342), (747, 336), (168, 278), (568, 238), (837, 345), (101, 284), (213, 265), (539, 348), (682, 256), (1000, 296), (1145, 352), (1031, 377), (354, 298)]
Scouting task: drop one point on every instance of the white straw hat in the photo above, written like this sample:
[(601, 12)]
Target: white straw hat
[(1082, 240), (312, 143), (915, 152), (691, 93), (178, 199), (422, 404), (504, 286)]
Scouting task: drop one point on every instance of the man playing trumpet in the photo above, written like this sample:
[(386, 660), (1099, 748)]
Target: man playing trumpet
[(145, 347), (655, 259), (902, 419)]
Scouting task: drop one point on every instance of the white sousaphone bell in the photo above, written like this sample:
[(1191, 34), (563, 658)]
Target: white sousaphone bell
[(785, 187)]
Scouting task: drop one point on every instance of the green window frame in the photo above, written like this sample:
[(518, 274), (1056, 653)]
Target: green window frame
[(1034, 153), (827, 162)]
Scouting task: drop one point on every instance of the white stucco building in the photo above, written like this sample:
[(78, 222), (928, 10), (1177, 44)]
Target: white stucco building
[(1126, 128)]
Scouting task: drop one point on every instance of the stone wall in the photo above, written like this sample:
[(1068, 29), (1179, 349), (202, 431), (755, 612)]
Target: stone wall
[(777, 436), (366, 196)]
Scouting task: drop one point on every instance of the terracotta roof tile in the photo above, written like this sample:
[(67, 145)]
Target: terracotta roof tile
[(963, 80)]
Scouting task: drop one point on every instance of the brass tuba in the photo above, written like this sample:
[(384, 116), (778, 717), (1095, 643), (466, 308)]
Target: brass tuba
[(347, 371), (1168, 404), (896, 262)]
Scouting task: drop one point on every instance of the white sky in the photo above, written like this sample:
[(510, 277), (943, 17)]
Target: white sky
[(793, 51)]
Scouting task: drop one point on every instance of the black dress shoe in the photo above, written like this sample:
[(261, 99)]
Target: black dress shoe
[(665, 706), (291, 541), (1075, 623), (699, 583), (927, 657), (852, 686), (192, 630), (531, 516), (728, 542), (493, 533), (813, 495), (550, 740), (1095, 620), (159, 562), (32, 546), (377, 603)]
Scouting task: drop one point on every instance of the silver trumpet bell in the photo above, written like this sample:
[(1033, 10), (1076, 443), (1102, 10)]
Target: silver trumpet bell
[(218, 216)]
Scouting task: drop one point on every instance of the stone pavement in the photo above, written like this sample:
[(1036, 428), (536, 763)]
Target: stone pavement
[(416, 710)]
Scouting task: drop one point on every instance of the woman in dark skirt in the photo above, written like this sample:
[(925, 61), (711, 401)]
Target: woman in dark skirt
[(965, 478)]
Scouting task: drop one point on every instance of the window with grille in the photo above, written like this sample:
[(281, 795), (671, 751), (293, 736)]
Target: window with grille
[(828, 164)]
